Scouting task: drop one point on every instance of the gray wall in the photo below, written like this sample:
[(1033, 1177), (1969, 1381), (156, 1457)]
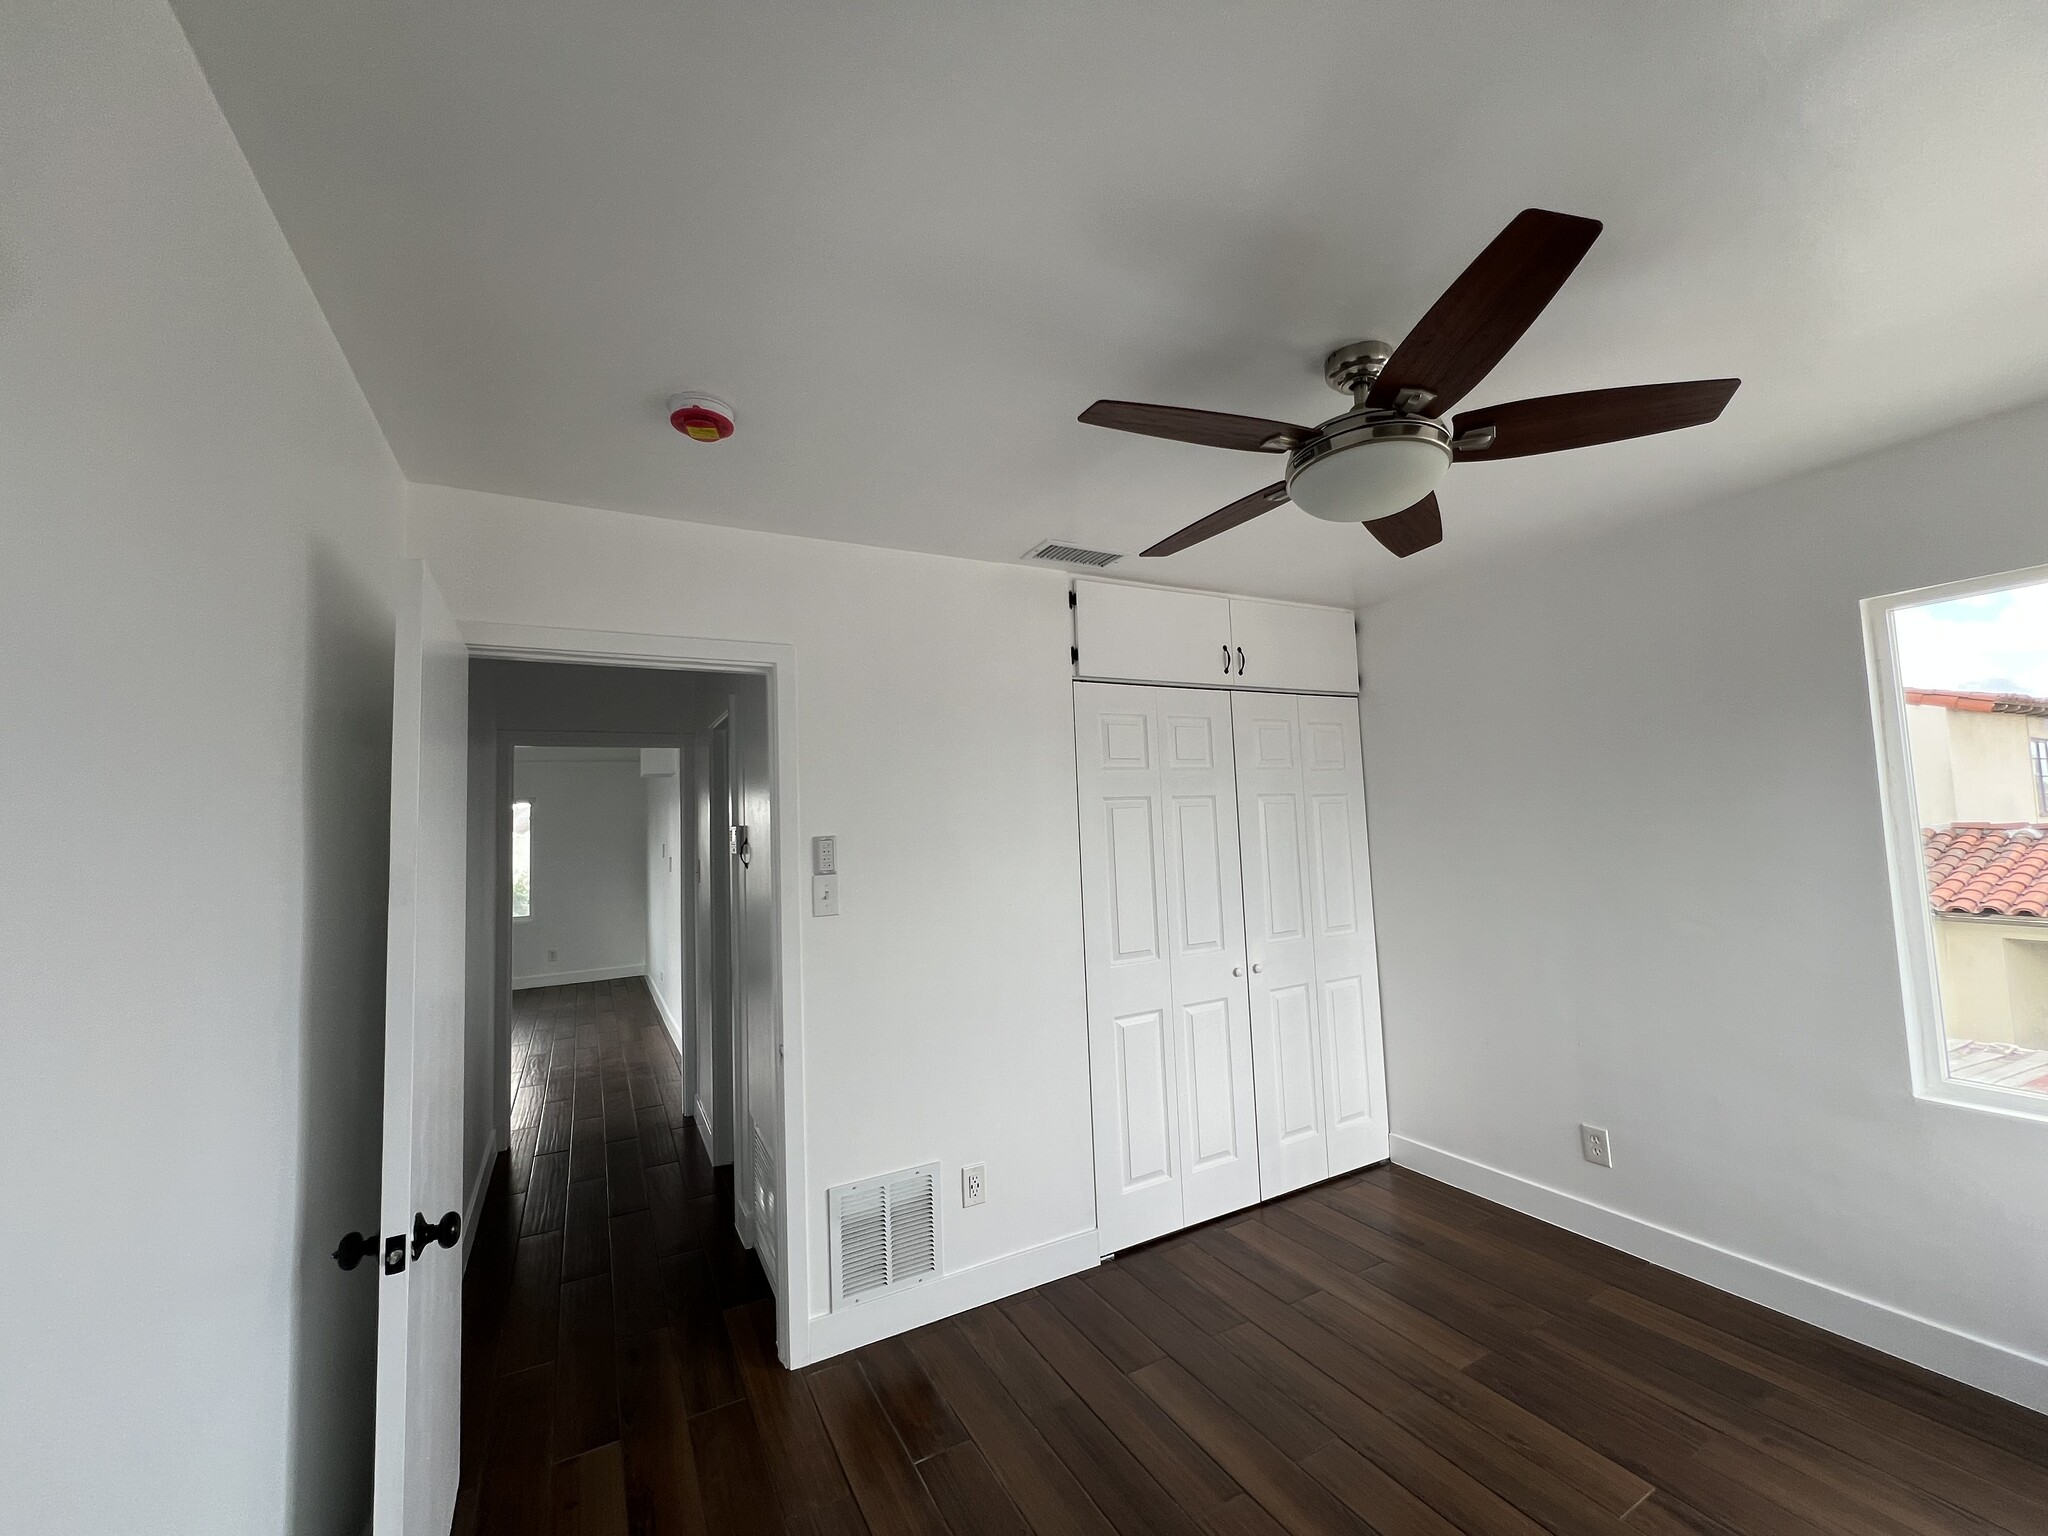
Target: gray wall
[(589, 877), (1629, 866), (200, 540)]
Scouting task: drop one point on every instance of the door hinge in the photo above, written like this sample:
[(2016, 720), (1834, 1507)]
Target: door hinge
[(1074, 654), (1073, 598)]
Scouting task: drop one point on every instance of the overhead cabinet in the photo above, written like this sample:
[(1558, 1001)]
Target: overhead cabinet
[(1233, 1001), (1143, 634)]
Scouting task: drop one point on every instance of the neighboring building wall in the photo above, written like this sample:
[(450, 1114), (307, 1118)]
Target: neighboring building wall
[(1991, 768), (589, 917), (201, 533), (1994, 979), (1934, 779)]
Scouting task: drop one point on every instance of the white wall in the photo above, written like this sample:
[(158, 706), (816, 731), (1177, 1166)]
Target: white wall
[(589, 882), (661, 784), (943, 1011), (1629, 868), (200, 528)]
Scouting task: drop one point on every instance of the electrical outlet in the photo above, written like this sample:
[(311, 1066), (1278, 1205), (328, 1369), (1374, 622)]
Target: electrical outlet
[(1597, 1146), (551, 956), (974, 1184)]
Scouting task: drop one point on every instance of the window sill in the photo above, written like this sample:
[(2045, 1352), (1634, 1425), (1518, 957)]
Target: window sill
[(2013, 1103)]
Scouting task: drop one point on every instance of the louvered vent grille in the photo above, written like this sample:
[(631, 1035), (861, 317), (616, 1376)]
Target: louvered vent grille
[(885, 1234), (1073, 554)]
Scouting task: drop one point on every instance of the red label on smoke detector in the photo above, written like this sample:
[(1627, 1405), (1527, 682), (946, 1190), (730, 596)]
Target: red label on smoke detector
[(701, 423)]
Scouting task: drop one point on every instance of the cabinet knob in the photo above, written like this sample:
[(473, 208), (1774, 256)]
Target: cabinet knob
[(1258, 966), (1237, 970)]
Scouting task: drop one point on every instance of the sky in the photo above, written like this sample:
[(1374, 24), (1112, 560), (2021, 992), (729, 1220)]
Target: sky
[(1996, 642)]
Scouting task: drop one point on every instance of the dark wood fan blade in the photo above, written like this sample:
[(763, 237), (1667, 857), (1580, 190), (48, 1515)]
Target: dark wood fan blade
[(1243, 510), (1212, 429), (1555, 422), (1410, 529), (1485, 312)]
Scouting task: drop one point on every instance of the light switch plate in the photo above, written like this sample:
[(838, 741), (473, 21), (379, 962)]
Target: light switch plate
[(824, 855), (824, 895)]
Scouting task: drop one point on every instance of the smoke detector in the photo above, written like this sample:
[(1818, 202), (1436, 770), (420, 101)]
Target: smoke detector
[(700, 418)]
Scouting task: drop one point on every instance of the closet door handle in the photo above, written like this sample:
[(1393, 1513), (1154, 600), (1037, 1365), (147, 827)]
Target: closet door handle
[(1226, 661), (1240, 661)]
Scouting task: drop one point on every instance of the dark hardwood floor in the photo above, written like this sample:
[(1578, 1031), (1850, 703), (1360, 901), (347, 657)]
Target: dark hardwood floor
[(1380, 1353)]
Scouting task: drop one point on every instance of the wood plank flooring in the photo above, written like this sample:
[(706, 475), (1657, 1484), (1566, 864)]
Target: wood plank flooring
[(1379, 1353)]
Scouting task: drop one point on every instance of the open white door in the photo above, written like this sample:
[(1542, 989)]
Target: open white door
[(419, 1308)]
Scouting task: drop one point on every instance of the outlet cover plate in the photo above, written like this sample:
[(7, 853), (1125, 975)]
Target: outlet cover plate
[(1597, 1145), (974, 1184)]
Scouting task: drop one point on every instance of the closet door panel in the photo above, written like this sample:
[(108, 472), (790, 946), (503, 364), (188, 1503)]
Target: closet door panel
[(1340, 915), (1289, 1055), (1133, 1059), (1205, 899), (1144, 1081)]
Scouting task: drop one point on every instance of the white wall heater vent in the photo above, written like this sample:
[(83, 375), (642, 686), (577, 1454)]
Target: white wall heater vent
[(1072, 554), (885, 1234)]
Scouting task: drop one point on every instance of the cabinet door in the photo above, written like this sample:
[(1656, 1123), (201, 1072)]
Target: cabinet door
[(1149, 635), (1219, 1141), (1294, 649), (1288, 1050), (1340, 914)]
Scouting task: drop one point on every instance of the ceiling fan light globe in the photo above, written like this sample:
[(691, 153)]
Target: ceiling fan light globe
[(1372, 478)]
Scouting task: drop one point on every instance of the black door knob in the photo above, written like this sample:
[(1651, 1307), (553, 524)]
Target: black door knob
[(355, 1248), (447, 1231)]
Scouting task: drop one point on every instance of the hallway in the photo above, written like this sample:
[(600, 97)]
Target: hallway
[(610, 1314)]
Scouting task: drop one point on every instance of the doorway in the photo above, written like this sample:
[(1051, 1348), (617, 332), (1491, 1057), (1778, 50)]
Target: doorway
[(617, 1249)]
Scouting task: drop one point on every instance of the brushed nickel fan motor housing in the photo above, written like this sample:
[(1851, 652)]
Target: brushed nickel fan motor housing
[(1353, 367), (1359, 432)]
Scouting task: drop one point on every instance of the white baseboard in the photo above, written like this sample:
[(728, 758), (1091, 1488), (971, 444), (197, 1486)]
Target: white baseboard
[(668, 1020), (577, 978), (1996, 1368), (479, 1187), (833, 1333)]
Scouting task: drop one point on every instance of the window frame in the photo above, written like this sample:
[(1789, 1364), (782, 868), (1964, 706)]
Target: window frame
[(1912, 911), (511, 861), (2037, 750)]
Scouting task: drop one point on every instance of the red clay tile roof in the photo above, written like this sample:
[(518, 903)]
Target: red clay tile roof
[(1979, 703), (1988, 869)]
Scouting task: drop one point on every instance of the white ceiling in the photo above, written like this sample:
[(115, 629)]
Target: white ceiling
[(909, 241)]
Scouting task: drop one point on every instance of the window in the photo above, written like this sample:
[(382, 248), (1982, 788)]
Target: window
[(1960, 685), (522, 860)]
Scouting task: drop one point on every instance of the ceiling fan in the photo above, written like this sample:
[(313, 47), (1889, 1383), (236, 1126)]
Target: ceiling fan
[(1378, 463)]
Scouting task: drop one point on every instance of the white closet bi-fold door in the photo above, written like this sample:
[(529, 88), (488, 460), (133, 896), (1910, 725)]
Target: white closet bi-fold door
[(1169, 1028), (1233, 1004), (1315, 1011)]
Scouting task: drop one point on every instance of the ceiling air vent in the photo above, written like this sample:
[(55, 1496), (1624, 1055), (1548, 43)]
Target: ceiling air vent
[(1072, 554), (885, 1234)]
